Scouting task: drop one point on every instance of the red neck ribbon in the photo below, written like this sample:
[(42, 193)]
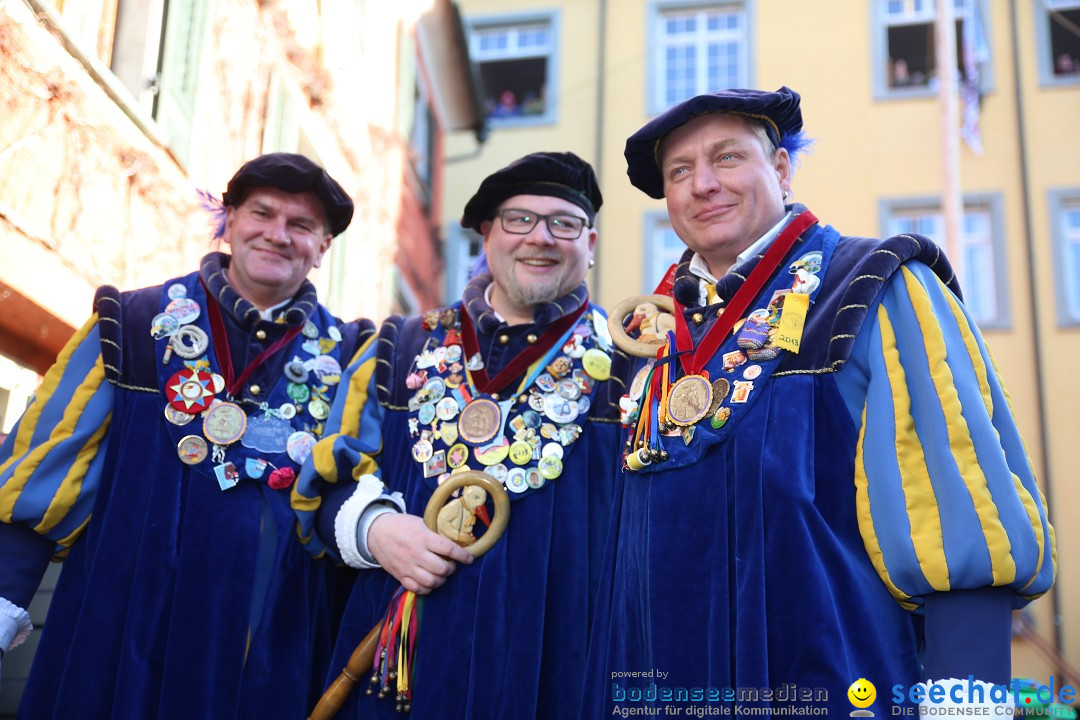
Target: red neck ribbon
[(224, 354), (694, 359), (523, 360)]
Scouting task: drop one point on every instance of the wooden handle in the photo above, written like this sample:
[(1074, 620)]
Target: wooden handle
[(618, 314), (362, 660), (359, 665)]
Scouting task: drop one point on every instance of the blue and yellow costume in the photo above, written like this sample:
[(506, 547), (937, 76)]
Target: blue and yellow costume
[(178, 599), (507, 635), (824, 496)]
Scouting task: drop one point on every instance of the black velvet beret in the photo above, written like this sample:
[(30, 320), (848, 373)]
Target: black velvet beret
[(562, 175), (777, 111), (294, 174)]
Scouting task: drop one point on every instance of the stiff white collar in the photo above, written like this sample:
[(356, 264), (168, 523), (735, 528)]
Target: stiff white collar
[(700, 268)]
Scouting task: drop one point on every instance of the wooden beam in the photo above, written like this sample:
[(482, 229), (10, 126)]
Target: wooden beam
[(29, 334)]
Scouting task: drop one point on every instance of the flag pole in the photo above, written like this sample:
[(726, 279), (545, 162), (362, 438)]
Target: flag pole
[(948, 104)]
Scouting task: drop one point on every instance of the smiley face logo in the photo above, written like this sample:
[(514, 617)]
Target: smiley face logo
[(862, 693)]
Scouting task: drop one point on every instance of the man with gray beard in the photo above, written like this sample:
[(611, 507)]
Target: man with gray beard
[(511, 380)]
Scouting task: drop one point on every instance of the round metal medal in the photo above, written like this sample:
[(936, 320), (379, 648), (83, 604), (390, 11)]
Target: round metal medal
[(534, 479), (446, 409), (299, 446), (560, 409), (521, 453), (422, 451), (498, 471), (457, 455), (597, 363), (298, 392), (689, 399), (550, 467), (637, 387), (568, 388), (479, 421), (436, 388), (318, 409), (426, 413), (192, 449), (224, 423), (177, 417), (184, 309), (552, 448), (515, 480)]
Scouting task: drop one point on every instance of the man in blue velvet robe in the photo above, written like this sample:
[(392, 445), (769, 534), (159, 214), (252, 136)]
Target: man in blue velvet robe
[(157, 457), (511, 380), (823, 480)]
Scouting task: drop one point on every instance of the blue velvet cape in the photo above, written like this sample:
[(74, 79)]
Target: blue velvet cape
[(181, 600), (506, 636), (737, 572)]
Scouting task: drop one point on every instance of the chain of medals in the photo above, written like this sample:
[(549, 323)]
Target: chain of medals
[(518, 438), (292, 427), (661, 403)]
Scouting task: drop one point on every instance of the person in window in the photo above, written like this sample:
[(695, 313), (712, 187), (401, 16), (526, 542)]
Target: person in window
[(855, 501), (507, 105), (517, 370), (158, 457), (900, 75), (1066, 65)]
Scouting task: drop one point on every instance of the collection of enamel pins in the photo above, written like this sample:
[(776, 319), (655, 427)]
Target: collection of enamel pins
[(658, 406), (458, 417), (291, 427)]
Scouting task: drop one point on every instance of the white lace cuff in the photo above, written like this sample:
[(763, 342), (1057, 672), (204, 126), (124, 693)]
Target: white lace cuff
[(15, 625), (350, 520)]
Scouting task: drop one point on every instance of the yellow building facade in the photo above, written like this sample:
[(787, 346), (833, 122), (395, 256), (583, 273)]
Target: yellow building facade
[(582, 75)]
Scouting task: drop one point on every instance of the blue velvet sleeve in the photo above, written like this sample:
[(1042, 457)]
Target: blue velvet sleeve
[(348, 449), (946, 496), (24, 555)]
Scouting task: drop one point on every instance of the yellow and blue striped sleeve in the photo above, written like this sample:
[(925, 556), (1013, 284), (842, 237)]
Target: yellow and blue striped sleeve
[(349, 447), (50, 465), (945, 492)]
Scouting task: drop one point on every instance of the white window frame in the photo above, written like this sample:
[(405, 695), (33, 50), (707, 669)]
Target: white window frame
[(513, 24), (180, 66), (1066, 241), (660, 12), (1045, 60), (662, 247), (917, 12), (985, 205)]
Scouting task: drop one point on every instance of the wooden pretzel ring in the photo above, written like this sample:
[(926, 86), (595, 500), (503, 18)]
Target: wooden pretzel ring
[(618, 334), (493, 487)]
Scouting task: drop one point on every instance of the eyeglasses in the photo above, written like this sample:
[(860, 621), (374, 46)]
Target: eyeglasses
[(522, 222)]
